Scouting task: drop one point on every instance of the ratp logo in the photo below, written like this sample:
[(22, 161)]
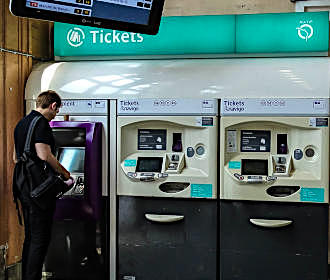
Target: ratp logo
[(75, 37), (305, 31)]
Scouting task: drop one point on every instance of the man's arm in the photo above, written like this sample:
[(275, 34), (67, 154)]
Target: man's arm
[(14, 156), (44, 152)]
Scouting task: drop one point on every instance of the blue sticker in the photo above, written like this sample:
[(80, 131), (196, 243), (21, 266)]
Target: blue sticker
[(312, 194), (201, 190), (130, 162), (235, 165)]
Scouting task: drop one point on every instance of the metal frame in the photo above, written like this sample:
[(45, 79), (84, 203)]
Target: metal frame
[(113, 188)]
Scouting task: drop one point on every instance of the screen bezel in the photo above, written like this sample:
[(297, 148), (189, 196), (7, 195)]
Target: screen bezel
[(18, 8)]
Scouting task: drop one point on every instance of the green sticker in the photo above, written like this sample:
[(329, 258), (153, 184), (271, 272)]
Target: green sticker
[(201, 190), (130, 162), (312, 195), (235, 165)]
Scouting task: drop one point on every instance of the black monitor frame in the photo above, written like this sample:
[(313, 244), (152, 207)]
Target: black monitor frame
[(18, 8)]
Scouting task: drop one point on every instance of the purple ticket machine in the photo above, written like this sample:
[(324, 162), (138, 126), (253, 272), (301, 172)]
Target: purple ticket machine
[(79, 151), (75, 252)]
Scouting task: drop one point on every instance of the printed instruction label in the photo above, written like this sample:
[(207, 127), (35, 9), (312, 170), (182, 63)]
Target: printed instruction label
[(312, 194), (204, 121), (318, 122), (234, 165), (130, 162), (201, 190), (231, 141)]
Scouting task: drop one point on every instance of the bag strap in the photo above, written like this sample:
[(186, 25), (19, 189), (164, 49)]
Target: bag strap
[(30, 133)]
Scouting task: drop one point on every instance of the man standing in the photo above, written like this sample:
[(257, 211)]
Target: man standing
[(37, 222)]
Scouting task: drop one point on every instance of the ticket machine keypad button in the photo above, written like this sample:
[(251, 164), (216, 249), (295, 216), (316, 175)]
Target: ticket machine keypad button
[(175, 158), (190, 152), (254, 179), (131, 174), (310, 152), (79, 187), (173, 166), (282, 160), (280, 168), (200, 150)]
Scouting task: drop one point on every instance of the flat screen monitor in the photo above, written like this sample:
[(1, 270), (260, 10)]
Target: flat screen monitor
[(139, 16), (149, 164), (73, 159)]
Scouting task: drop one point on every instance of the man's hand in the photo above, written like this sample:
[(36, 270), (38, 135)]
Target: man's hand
[(69, 182)]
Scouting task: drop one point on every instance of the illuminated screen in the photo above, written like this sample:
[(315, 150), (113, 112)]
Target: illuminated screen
[(72, 159), (141, 16), (149, 164)]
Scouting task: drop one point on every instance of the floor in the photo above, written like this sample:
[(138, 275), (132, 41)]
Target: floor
[(13, 273)]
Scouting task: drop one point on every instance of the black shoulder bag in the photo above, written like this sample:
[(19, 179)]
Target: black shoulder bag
[(44, 183)]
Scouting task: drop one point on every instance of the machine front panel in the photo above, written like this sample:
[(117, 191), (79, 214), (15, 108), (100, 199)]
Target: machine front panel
[(167, 156), (269, 240), (164, 239), (275, 159)]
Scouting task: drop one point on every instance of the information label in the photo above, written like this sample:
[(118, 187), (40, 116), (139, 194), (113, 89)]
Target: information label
[(201, 190), (312, 195), (231, 141), (152, 139), (255, 141)]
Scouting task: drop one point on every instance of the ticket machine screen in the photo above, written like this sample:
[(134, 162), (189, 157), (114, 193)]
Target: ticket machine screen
[(149, 164), (72, 159), (254, 167)]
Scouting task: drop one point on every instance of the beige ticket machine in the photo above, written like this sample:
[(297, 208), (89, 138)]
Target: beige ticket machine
[(167, 189), (274, 188)]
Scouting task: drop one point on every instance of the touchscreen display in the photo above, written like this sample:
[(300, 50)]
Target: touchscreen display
[(254, 167), (73, 159), (149, 164)]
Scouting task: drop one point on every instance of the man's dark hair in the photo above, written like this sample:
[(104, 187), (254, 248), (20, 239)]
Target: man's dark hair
[(47, 98)]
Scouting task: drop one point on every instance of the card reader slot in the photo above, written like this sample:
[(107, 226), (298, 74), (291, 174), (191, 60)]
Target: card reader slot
[(173, 187), (282, 191)]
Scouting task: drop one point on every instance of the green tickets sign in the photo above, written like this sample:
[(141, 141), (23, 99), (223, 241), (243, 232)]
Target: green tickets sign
[(276, 33), (201, 35), (177, 35)]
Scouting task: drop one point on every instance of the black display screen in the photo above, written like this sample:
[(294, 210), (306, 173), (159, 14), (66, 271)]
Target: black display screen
[(149, 164), (142, 16), (151, 139), (254, 167), (255, 141)]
